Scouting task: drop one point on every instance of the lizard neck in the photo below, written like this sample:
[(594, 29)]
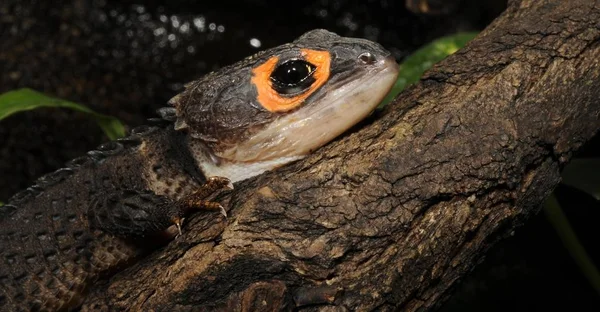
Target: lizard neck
[(168, 166), (212, 165)]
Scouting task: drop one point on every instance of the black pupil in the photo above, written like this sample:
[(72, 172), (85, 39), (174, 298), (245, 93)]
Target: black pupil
[(293, 76)]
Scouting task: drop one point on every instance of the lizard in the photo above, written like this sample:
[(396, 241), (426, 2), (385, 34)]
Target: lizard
[(87, 220)]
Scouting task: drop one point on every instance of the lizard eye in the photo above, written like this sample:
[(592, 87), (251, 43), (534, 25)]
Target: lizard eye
[(284, 85), (293, 77)]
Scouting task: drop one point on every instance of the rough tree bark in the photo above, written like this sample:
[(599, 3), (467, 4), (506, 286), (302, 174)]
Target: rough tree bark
[(389, 217)]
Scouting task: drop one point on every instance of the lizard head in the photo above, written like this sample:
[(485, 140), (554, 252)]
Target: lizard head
[(280, 104)]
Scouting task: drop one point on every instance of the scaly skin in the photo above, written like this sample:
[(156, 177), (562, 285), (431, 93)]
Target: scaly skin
[(104, 211), (50, 247)]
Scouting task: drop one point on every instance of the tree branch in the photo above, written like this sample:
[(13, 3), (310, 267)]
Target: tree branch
[(391, 216)]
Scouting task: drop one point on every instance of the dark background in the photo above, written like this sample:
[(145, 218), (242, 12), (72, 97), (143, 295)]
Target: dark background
[(126, 59)]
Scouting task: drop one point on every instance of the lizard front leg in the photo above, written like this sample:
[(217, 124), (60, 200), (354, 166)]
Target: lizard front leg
[(137, 214), (202, 199)]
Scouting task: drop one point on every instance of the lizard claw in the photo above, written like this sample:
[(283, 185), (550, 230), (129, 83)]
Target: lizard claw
[(178, 223), (222, 210)]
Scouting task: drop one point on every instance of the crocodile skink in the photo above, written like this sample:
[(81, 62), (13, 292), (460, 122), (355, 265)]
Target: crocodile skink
[(86, 220)]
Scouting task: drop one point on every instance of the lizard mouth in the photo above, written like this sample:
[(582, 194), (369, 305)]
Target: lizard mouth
[(336, 107)]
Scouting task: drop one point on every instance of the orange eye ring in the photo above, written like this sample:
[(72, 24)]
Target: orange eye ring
[(270, 99)]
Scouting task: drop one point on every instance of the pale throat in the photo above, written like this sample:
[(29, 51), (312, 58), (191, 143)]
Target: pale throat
[(235, 171)]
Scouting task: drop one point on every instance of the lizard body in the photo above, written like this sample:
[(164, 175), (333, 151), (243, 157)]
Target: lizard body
[(96, 215)]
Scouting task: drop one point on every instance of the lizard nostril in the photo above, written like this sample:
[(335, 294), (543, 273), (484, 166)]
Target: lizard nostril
[(367, 58)]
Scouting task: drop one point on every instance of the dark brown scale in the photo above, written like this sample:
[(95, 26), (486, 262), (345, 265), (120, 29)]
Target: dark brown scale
[(79, 223)]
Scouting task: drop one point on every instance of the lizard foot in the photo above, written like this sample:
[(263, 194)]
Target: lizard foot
[(202, 199)]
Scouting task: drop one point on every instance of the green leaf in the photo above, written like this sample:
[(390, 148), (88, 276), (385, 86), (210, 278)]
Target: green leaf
[(26, 99), (582, 173), (416, 64)]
